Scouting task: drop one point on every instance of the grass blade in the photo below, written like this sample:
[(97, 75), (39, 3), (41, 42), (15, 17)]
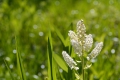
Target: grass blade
[(60, 37), (9, 69), (51, 62), (20, 64)]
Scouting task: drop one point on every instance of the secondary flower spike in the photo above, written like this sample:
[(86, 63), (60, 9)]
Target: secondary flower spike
[(95, 51), (71, 63)]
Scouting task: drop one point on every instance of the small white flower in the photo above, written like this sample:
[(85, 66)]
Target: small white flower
[(95, 51), (88, 43), (71, 63)]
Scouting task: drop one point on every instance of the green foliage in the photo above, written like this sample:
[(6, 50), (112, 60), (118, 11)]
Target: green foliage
[(31, 21)]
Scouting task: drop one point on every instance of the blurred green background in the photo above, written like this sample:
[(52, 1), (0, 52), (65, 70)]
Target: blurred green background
[(31, 21)]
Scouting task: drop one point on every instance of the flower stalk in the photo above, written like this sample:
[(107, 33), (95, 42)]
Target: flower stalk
[(83, 72)]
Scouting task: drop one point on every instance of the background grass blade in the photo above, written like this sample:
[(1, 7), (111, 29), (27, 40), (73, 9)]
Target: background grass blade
[(8, 69), (20, 64), (60, 36)]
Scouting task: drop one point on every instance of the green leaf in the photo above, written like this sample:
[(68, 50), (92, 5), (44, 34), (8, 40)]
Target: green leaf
[(60, 62)]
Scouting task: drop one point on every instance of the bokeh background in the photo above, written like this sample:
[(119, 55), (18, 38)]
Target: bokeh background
[(31, 20)]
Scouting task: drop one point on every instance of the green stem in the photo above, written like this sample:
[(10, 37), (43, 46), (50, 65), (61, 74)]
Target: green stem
[(83, 75)]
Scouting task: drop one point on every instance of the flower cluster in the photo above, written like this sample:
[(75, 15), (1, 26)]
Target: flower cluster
[(81, 42)]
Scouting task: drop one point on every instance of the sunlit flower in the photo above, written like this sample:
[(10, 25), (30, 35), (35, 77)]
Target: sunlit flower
[(81, 43)]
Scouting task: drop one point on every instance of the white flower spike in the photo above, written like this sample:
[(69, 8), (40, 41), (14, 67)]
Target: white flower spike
[(71, 63), (95, 51)]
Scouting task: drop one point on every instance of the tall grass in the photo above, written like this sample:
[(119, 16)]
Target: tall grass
[(20, 68)]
